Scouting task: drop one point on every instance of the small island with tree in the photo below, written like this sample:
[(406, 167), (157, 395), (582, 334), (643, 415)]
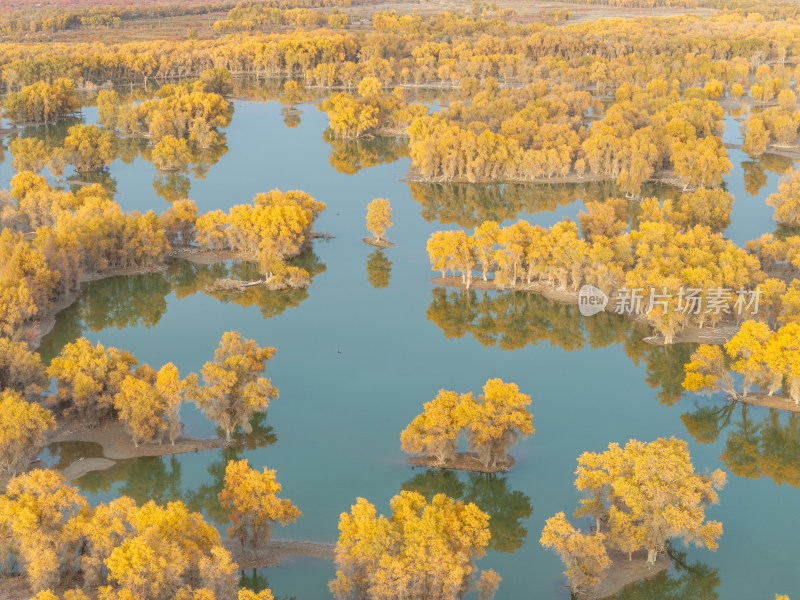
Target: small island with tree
[(640, 497), (379, 219), (493, 423)]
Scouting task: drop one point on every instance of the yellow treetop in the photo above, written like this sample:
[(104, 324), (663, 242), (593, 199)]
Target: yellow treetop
[(584, 555), (23, 429), (252, 498), (425, 549), (379, 217), (233, 391)]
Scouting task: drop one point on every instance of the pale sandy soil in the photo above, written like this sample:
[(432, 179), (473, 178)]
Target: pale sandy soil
[(526, 9), (79, 468), (276, 551), (378, 243), (775, 401), (202, 256), (624, 572), (117, 444), (463, 461)]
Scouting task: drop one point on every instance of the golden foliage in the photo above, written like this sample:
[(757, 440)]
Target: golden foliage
[(424, 550), (233, 390), (379, 217), (252, 499), (23, 428), (88, 378)]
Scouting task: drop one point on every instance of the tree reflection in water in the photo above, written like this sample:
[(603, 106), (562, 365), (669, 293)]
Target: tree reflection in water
[(512, 320), (379, 269), (141, 300), (697, 581)]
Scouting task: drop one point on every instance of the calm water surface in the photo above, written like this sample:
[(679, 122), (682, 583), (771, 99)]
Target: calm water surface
[(372, 339)]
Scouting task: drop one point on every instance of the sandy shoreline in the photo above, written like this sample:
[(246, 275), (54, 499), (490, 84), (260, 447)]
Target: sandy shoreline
[(775, 401), (117, 445), (624, 572), (463, 461), (378, 243)]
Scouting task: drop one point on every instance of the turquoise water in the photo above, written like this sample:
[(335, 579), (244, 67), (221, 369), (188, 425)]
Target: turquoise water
[(372, 339)]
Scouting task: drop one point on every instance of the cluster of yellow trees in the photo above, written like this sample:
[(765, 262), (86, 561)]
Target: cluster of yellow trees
[(775, 127), (493, 423), (87, 147), (265, 16), (689, 49), (275, 227), (42, 102), (179, 110), (252, 499), (765, 358), (424, 550), (130, 552), (640, 496), (539, 132), (673, 247), (96, 383), (52, 19), (373, 111), (87, 232)]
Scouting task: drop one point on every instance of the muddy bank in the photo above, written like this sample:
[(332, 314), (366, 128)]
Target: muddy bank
[(414, 177), (159, 268), (662, 177), (275, 552), (117, 444), (203, 256), (624, 572), (81, 467), (775, 401), (463, 461), (377, 243)]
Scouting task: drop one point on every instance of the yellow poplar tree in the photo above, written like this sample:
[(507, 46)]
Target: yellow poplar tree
[(496, 420), (379, 217), (88, 378), (435, 432), (424, 550), (746, 349), (37, 514), (23, 429), (252, 498), (584, 555), (708, 371), (233, 391)]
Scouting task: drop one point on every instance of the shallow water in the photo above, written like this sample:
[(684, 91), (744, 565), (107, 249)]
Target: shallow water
[(372, 339)]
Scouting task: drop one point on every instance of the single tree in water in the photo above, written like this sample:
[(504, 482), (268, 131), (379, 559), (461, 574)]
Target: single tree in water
[(232, 390), (379, 217)]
